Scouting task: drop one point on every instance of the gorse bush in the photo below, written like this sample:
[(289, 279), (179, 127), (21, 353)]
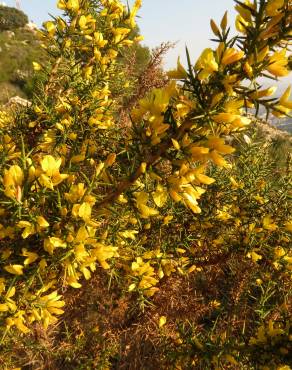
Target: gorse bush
[(78, 192), (245, 265)]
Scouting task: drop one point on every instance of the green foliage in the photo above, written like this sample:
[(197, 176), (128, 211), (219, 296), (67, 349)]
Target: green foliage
[(11, 18), (16, 56)]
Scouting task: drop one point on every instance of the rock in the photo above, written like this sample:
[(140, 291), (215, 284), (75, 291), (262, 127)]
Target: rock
[(272, 133), (10, 34), (229, 139), (18, 101), (31, 27)]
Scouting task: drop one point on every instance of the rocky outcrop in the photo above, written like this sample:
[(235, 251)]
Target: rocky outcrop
[(18, 101)]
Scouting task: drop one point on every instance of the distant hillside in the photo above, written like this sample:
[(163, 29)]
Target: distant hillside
[(18, 49), (283, 124)]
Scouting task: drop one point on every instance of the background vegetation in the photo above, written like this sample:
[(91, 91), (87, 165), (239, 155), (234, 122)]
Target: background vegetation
[(11, 18)]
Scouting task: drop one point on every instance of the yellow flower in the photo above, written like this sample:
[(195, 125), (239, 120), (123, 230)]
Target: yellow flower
[(138, 4), (129, 234), (288, 225), (278, 64), (29, 228), (85, 211), (279, 252), (146, 272), (178, 73), (12, 181), (231, 359), (122, 199), (175, 143), (273, 7), (190, 197), (37, 66), (42, 222), (245, 13), (167, 219), (162, 321), (261, 55), (263, 93), (160, 196), (134, 10), (206, 64), (229, 82), (31, 256), (50, 165), (99, 40), (248, 69), (241, 24), (254, 256), (273, 332), (198, 151), (143, 167), (51, 243), (235, 121), (14, 269), (139, 38), (103, 252), (120, 35), (215, 304), (61, 4), (4, 307), (141, 200), (51, 175), (268, 224), (76, 193), (284, 100), (73, 5), (17, 321), (259, 281), (50, 27), (219, 145), (235, 184), (50, 305), (88, 72), (131, 287), (82, 22), (285, 105), (204, 179), (218, 159), (231, 55), (223, 215)]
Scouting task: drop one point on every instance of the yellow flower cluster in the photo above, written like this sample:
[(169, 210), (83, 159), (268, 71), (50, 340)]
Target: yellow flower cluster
[(45, 203)]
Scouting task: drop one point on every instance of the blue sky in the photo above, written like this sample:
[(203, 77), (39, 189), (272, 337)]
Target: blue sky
[(184, 21)]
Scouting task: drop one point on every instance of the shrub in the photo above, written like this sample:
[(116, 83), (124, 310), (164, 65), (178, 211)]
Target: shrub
[(11, 18), (79, 193)]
